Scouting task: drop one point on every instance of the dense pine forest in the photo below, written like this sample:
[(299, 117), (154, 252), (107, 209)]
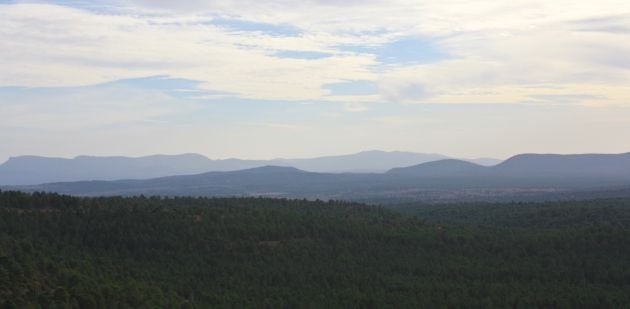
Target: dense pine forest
[(147, 252)]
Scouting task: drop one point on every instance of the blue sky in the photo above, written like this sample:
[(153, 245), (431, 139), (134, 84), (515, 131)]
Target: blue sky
[(301, 79)]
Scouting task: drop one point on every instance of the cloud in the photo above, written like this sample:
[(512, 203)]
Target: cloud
[(510, 67), (80, 108), (356, 87), (413, 51), (302, 54), (618, 24), (51, 46), (276, 125)]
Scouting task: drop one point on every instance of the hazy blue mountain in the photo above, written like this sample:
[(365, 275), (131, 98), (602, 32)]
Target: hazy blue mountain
[(552, 165), (521, 177), (447, 168), (29, 170), (542, 170), (266, 180), (374, 161), (33, 170), (579, 170), (484, 161)]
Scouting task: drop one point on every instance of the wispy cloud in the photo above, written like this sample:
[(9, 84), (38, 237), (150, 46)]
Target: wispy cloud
[(82, 108), (191, 70), (290, 50)]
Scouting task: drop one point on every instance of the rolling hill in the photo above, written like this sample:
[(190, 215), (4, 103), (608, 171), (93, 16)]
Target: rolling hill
[(520, 176), (31, 170)]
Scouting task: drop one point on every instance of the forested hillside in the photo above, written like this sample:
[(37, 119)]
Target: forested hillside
[(68, 252)]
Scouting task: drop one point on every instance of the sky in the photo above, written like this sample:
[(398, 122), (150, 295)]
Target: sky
[(282, 78)]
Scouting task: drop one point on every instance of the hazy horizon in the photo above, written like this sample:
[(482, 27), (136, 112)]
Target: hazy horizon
[(303, 157), (222, 158), (286, 157), (253, 80)]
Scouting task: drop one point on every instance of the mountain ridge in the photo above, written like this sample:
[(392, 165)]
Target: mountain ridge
[(31, 170), (522, 177), (440, 168)]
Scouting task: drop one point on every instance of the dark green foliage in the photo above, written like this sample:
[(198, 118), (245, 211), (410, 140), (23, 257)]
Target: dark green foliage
[(67, 252), (540, 215)]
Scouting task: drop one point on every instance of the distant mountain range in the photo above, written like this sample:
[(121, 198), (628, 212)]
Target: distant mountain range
[(30, 170), (520, 177)]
